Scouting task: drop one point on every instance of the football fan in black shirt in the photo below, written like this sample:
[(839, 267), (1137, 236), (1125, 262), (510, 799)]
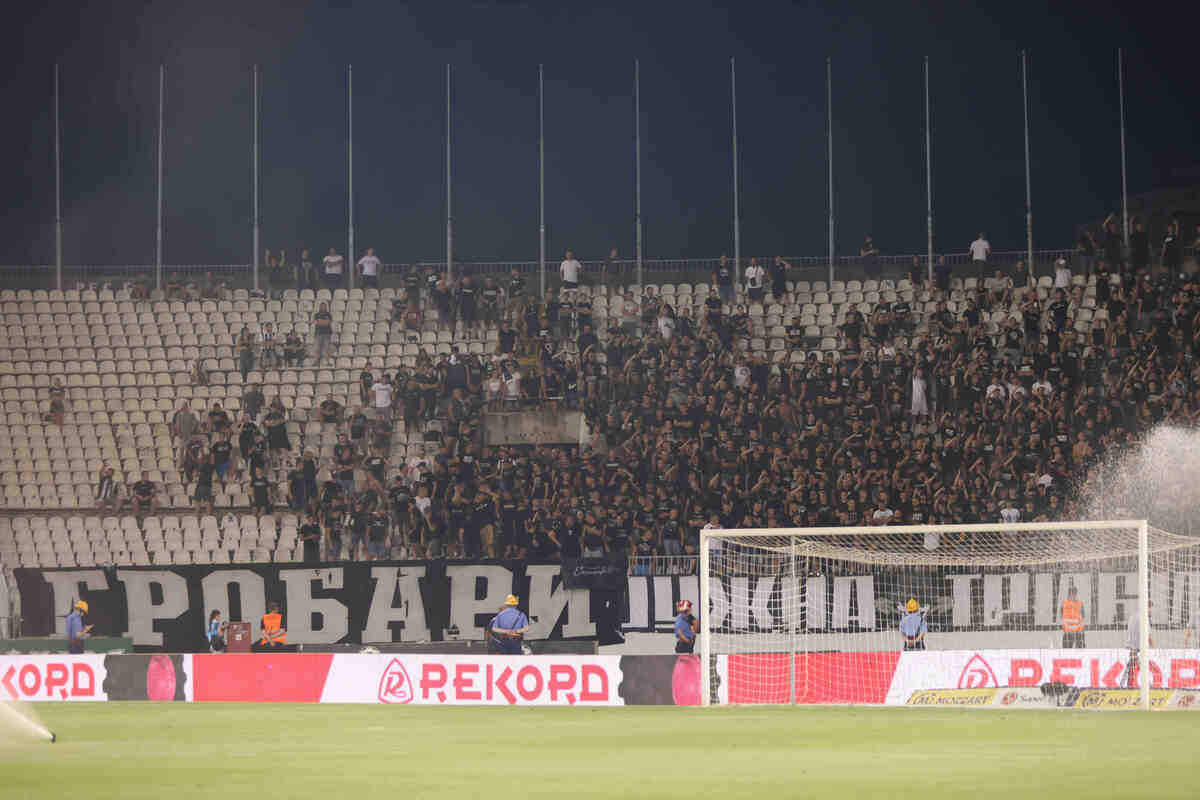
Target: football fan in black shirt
[(344, 457), (144, 494), (310, 537), (378, 527), (203, 494), (222, 456), (260, 488)]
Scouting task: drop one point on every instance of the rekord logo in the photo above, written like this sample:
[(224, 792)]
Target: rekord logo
[(394, 685), (977, 674), (1009, 698)]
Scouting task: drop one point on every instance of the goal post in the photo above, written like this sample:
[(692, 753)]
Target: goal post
[(1054, 613)]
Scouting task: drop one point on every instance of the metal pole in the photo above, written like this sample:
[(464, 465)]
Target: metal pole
[(158, 248), (541, 187), (737, 214), (349, 262), (449, 206), (1143, 576), (705, 642), (1124, 192), (1028, 186), (256, 233), (58, 223), (928, 178), (637, 150), (829, 150), (793, 623)]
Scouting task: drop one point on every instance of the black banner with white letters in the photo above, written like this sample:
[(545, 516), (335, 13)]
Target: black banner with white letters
[(167, 608)]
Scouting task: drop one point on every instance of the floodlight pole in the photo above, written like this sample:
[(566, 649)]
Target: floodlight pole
[(541, 187), (829, 151), (1124, 191), (256, 237), (928, 179), (637, 150), (158, 245), (58, 223), (737, 215), (1028, 179), (449, 206), (349, 260)]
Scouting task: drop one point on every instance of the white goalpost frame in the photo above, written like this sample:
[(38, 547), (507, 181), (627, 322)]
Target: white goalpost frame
[(708, 534)]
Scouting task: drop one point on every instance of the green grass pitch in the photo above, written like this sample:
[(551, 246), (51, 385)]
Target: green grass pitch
[(172, 751)]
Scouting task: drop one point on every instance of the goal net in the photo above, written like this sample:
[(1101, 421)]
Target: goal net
[(1035, 614)]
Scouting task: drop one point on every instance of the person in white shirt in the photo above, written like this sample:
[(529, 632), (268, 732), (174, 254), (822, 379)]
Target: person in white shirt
[(368, 269), (512, 388), (919, 406), (980, 250), (1062, 275), (755, 275), (333, 269), (741, 375), (383, 398), (631, 313), (569, 271), (666, 323)]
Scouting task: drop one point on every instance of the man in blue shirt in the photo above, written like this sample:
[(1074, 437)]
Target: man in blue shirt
[(685, 628), (913, 627), (76, 630), (507, 628)]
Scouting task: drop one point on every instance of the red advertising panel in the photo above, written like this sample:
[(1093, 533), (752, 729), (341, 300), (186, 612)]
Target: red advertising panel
[(260, 677), (819, 677)]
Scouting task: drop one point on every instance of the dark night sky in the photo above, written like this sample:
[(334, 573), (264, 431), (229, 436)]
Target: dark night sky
[(109, 58)]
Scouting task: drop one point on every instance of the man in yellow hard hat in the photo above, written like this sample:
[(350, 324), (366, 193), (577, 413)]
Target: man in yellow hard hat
[(508, 627), (912, 626), (76, 630)]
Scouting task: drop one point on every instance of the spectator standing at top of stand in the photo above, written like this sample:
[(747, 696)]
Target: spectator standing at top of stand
[(368, 269), (334, 265), (569, 271), (613, 267), (870, 257), (980, 250), (779, 273), (755, 275), (723, 278)]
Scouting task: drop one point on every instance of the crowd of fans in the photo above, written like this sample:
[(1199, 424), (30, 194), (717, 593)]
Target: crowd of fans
[(986, 397)]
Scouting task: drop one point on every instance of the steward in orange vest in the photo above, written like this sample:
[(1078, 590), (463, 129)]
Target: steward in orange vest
[(272, 627), (1072, 620)]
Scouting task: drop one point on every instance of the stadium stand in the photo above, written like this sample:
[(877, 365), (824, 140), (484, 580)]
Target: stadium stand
[(843, 402)]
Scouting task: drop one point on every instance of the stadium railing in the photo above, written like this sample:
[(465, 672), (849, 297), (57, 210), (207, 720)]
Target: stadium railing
[(658, 270), (664, 565)]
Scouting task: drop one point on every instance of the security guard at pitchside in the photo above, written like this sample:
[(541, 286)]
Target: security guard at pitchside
[(1072, 620), (508, 627), (273, 632), (76, 630), (913, 627)]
